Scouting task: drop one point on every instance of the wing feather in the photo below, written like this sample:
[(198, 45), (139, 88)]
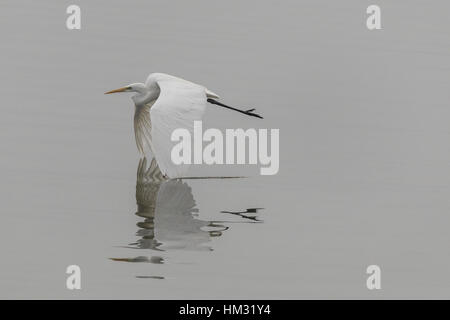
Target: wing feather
[(143, 127), (179, 104)]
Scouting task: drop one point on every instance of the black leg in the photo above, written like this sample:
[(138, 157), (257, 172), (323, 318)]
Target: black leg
[(248, 112)]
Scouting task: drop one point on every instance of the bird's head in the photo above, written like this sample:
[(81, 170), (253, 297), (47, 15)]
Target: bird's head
[(133, 87)]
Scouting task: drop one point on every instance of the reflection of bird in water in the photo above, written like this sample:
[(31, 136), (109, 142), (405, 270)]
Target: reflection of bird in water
[(157, 260), (170, 216), (169, 209), (249, 214)]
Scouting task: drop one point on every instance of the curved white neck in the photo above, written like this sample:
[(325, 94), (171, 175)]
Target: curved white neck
[(143, 95)]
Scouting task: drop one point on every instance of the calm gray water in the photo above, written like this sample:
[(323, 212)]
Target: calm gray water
[(364, 151)]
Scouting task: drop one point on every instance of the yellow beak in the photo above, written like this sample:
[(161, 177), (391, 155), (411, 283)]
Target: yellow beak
[(117, 90)]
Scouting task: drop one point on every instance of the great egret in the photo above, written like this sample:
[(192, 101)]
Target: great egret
[(165, 103)]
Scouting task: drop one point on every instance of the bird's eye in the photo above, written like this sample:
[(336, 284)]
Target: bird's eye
[(128, 88)]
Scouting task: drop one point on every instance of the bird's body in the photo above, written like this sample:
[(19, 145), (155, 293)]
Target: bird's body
[(167, 103), (162, 104)]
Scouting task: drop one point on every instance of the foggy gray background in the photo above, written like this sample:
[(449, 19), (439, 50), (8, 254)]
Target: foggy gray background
[(364, 147)]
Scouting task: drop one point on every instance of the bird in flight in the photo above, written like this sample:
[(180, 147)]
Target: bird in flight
[(165, 103)]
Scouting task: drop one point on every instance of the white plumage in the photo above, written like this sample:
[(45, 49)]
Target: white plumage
[(165, 103), (178, 105)]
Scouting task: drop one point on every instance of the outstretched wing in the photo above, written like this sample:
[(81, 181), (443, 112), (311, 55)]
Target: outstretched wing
[(179, 104), (143, 127)]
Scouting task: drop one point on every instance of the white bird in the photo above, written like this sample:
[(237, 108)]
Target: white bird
[(165, 103)]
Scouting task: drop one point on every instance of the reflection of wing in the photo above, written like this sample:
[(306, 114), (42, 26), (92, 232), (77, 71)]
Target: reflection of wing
[(147, 186), (175, 225), (168, 207), (150, 175), (179, 104)]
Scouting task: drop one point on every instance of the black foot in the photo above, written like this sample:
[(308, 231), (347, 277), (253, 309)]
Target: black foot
[(249, 112)]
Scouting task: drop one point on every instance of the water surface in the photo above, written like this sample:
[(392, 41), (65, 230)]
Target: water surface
[(364, 151)]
